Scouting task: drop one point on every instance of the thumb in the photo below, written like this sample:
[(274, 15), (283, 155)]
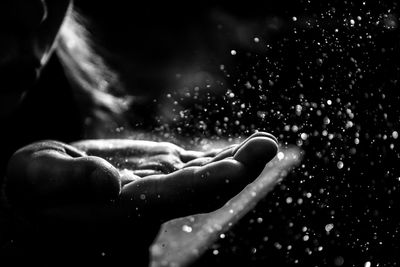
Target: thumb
[(46, 174)]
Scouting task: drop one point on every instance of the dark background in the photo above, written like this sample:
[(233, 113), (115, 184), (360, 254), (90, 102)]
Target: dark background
[(323, 75)]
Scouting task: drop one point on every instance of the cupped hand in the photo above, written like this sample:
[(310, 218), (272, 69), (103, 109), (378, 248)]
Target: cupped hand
[(137, 184), (161, 179)]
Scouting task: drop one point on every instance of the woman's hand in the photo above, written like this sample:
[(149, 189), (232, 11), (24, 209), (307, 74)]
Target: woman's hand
[(160, 179), (105, 191), (164, 181)]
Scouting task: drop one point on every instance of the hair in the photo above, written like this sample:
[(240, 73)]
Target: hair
[(96, 87)]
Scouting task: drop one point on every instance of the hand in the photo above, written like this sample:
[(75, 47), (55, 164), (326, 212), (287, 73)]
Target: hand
[(164, 181), (99, 185)]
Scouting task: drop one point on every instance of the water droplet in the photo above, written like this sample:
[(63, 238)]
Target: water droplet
[(329, 227), (340, 164), (339, 261), (186, 228)]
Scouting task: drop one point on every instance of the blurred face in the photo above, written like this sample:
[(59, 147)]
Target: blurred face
[(28, 30)]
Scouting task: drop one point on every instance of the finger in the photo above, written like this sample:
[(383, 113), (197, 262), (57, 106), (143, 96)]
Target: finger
[(55, 146), (188, 155), (198, 189), (127, 176), (254, 135), (163, 167), (216, 151), (228, 152), (159, 163), (231, 150), (256, 153), (125, 147), (198, 162), (45, 174), (73, 152), (265, 134), (144, 173)]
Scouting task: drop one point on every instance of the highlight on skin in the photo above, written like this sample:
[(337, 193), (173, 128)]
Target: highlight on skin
[(96, 86)]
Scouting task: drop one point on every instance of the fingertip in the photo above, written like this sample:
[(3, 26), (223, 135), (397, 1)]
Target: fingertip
[(258, 150), (264, 134)]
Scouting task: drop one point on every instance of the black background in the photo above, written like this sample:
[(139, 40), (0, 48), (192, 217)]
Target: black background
[(343, 77)]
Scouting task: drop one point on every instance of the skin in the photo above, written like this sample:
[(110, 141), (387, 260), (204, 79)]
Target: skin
[(149, 175), (102, 192), (72, 190)]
